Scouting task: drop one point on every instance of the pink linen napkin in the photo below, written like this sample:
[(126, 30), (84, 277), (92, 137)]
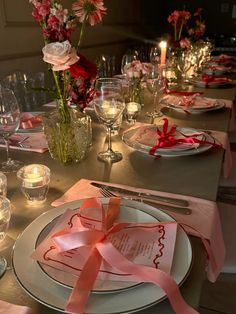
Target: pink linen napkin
[(9, 308), (30, 120), (35, 142), (204, 219), (229, 104), (223, 139)]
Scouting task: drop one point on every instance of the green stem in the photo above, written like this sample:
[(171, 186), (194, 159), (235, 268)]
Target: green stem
[(62, 106), (82, 31), (180, 31)]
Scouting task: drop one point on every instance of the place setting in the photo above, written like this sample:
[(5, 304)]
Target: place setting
[(210, 81), (191, 104), (169, 140), (57, 273)]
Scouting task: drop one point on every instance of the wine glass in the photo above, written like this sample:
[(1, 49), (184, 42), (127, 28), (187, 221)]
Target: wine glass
[(155, 55), (5, 215), (156, 86), (128, 57), (108, 105), (9, 123)]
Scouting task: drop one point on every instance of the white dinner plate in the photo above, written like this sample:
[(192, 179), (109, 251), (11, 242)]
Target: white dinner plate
[(127, 138), (220, 104), (199, 83), (45, 290), (100, 286), (39, 128)]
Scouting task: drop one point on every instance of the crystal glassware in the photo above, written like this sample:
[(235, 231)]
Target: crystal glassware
[(156, 86), (5, 215), (108, 105), (9, 123)]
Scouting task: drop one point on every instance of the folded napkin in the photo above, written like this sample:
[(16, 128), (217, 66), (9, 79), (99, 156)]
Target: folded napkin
[(204, 219), (182, 93), (31, 142), (166, 137), (30, 121), (214, 79), (190, 102), (8, 308)]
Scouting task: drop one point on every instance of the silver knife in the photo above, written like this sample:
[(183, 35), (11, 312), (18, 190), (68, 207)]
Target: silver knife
[(147, 196)]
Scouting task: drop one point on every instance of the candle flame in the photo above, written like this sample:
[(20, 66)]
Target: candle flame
[(163, 44)]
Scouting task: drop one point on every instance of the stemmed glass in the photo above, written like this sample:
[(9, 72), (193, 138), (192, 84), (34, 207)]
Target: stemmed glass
[(108, 105), (154, 55), (156, 86), (5, 215), (128, 57), (9, 123)]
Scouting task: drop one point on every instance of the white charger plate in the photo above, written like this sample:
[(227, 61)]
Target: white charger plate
[(199, 83), (40, 287), (127, 138), (220, 104)]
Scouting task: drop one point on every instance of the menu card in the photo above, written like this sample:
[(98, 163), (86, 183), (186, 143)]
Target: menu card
[(150, 244)]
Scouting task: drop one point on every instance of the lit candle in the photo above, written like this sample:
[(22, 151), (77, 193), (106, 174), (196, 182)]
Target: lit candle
[(132, 107), (163, 46), (34, 180)]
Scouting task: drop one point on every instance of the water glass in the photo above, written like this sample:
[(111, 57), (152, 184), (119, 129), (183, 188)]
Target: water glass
[(34, 181), (5, 215), (3, 184)]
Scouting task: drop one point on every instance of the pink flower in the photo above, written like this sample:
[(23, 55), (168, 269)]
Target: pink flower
[(89, 10), (185, 43), (61, 55)]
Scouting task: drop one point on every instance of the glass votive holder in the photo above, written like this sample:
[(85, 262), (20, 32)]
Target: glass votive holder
[(5, 215), (132, 110), (34, 181), (3, 184)]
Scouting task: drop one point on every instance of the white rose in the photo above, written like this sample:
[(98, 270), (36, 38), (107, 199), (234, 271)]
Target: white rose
[(61, 55)]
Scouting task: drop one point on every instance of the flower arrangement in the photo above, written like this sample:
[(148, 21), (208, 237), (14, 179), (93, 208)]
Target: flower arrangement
[(188, 27), (135, 72), (68, 131), (73, 74)]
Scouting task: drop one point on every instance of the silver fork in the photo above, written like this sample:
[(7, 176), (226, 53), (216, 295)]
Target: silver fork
[(179, 210)]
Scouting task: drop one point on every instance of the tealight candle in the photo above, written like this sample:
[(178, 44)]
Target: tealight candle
[(163, 46), (132, 111), (34, 180), (132, 107)]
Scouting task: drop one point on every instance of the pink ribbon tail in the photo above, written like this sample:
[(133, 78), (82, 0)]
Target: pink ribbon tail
[(80, 294), (147, 274)]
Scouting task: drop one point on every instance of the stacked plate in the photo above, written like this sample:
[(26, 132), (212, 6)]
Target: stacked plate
[(190, 104), (53, 287), (145, 137), (213, 83)]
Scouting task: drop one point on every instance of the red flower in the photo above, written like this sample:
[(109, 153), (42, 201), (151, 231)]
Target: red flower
[(83, 68)]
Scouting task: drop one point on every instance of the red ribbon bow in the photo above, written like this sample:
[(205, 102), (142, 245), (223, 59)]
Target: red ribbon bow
[(215, 79), (166, 138)]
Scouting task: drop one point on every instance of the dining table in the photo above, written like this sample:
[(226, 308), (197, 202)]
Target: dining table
[(195, 176)]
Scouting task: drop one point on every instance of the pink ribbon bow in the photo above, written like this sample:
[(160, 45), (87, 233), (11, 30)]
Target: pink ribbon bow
[(29, 121), (102, 249), (166, 138)]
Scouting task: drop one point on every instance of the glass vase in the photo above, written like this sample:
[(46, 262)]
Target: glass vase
[(68, 141), (135, 91)]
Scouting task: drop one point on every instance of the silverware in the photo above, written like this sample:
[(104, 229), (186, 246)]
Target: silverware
[(3, 266), (179, 210), (146, 196)]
